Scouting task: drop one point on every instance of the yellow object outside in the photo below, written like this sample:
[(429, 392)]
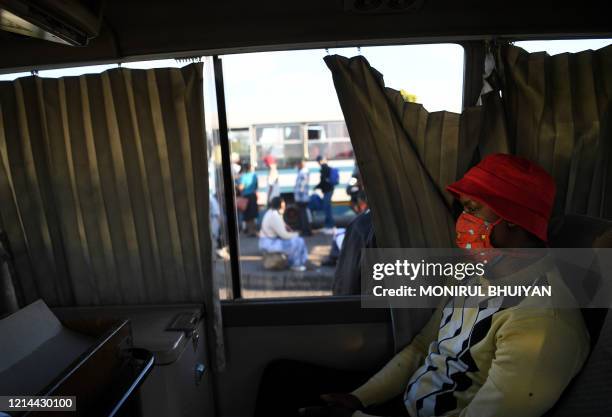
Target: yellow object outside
[(411, 98)]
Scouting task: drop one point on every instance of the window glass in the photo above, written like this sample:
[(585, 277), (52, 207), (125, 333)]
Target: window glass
[(337, 150), (316, 132), (96, 69), (293, 152), (316, 148), (340, 150), (269, 135), (292, 132), (217, 208), (240, 142), (287, 101), (560, 46), (336, 130)]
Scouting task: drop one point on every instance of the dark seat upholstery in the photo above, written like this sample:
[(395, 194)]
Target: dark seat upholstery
[(590, 393), (8, 297), (575, 231)]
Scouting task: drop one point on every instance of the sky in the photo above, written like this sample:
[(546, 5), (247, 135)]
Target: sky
[(298, 86), (291, 86)]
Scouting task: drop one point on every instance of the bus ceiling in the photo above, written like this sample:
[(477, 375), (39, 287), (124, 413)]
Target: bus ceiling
[(158, 28)]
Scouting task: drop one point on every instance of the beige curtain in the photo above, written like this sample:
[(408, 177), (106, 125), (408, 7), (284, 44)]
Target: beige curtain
[(558, 110), (103, 187), (553, 110), (407, 155)]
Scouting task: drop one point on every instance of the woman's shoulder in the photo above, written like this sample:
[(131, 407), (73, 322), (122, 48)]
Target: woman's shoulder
[(271, 213)]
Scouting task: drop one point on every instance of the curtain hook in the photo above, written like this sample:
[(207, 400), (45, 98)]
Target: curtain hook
[(118, 64), (34, 72), (327, 51), (359, 50)]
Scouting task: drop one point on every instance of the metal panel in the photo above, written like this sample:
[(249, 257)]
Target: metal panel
[(303, 311), (364, 346)]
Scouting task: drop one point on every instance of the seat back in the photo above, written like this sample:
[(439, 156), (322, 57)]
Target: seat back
[(589, 393), (576, 231), (8, 297)]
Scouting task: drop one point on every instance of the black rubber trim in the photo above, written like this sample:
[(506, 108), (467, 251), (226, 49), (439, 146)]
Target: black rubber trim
[(228, 180), (300, 311)]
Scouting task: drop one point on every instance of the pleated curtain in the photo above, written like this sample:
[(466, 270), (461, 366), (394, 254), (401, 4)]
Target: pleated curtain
[(406, 155), (554, 110), (558, 111), (104, 189)]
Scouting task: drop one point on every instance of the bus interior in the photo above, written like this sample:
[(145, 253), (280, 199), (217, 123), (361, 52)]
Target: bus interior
[(130, 281)]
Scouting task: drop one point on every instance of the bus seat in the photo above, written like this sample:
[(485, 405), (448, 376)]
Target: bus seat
[(576, 231), (8, 296), (589, 392), (588, 395)]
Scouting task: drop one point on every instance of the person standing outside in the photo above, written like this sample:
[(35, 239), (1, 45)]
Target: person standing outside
[(326, 185), (273, 177), (300, 194), (247, 186), (236, 167)]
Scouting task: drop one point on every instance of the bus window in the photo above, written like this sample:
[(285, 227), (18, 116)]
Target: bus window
[(287, 104), (340, 150), (240, 142), (316, 132), (293, 146), (336, 130), (268, 135), (559, 46), (269, 143), (283, 142), (331, 140), (292, 132), (292, 153)]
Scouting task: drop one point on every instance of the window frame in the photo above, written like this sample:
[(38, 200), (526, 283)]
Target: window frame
[(473, 57), (474, 49), (474, 52)]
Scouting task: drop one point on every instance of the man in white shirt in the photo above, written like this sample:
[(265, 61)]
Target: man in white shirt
[(301, 196)]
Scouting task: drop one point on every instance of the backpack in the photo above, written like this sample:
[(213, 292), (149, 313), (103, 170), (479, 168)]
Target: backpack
[(334, 176)]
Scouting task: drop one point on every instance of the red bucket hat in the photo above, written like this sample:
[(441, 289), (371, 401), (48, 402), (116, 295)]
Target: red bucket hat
[(517, 190)]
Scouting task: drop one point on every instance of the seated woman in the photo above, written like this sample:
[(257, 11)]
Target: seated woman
[(275, 236)]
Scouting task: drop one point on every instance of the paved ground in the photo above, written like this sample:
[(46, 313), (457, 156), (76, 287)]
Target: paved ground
[(258, 282)]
